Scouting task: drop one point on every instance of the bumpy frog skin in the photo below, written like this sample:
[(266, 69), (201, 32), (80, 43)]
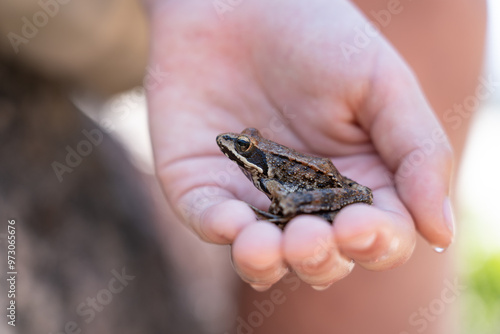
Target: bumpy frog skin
[(294, 182)]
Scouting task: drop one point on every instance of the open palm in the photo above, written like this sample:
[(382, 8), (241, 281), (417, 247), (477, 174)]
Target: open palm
[(286, 69)]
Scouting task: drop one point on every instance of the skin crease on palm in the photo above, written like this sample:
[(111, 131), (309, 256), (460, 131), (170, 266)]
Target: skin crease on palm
[(226, 75)]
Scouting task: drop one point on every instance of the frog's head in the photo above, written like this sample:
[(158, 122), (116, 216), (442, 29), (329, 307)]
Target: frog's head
[(244, 149)]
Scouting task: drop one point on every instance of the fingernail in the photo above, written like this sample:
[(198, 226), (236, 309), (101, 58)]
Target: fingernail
[(260, 287), (448, 215), (321, 287), (340, 268), (265, 282), (363, 242), (260, 266)]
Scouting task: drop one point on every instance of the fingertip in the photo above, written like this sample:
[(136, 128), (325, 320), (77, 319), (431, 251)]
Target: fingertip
[(258, 245), (222, 222), (448, 215), (359, 232), (450, 223), (423, 181), (260, 287), (306, 236), (374, 238), (256, 254), (309, 247), (426, 196)]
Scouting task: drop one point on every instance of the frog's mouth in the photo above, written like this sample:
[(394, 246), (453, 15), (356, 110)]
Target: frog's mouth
[(226, 145)]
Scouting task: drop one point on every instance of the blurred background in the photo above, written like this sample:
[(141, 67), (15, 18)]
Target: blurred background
[(478, 212), (208, 274), (478, 238)]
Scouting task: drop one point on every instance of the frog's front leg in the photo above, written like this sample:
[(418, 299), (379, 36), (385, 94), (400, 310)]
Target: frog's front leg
[(274, 190), (321, 200), (276, 219)]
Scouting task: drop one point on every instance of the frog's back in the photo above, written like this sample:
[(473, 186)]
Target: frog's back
[(304, 171)]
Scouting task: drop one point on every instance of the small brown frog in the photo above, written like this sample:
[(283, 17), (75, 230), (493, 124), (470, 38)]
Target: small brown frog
[(294, 182)]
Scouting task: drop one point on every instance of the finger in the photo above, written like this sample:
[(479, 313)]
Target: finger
[(413, 145), (309, 248), (378, 237), (202, 192), (221, 222), (257, 257)]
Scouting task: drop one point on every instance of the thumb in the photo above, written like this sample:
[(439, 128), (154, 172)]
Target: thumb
[(412, 143)]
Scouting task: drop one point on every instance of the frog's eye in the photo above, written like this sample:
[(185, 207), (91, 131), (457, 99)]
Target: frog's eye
[(242, 144)]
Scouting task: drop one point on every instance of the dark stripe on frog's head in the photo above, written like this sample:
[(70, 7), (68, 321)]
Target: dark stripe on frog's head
[(253, 160), (257, 158)]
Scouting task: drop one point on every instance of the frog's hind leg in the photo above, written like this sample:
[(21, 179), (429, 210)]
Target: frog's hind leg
[(264, 215)]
